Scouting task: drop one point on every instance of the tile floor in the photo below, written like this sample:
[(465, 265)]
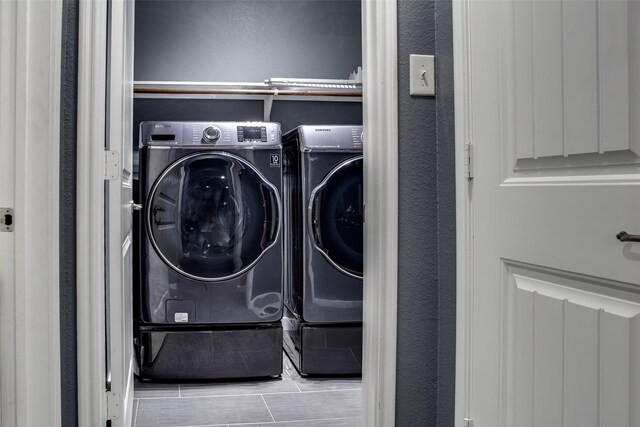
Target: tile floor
[(290, 401)]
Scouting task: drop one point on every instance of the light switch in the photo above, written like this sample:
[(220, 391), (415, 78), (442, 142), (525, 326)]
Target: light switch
[(422, 79)]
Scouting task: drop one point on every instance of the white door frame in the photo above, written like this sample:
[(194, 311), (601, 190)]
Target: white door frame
[(379, 19), (464, 213), (380, 109), (30, 55), (90, 213)]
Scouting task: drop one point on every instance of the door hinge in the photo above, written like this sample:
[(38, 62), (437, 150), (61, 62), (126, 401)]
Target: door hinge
[(468, 161), (114, 406), (467, 422), (6, 219), (111, 165)]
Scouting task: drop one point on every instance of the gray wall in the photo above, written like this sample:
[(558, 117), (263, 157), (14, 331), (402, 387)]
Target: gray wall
[(246, 40), (426, 279), (445, 138), (417, 375), (67, 212)]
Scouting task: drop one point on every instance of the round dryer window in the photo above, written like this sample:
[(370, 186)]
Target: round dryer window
[(336, 211), (211, 216)]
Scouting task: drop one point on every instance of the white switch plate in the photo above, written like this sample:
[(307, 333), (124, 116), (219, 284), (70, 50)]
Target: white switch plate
[(422, 78)]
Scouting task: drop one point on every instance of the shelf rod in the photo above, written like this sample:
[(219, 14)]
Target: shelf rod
[(259, 92)]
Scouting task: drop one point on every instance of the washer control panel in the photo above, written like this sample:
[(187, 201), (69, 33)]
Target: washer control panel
[(252, 134), (212, 134)]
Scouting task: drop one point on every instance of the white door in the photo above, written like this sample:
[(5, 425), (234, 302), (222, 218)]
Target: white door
[(548, 94), (118, 211)]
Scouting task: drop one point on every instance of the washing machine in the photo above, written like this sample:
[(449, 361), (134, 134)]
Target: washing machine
[(210, 291), (324, 214)]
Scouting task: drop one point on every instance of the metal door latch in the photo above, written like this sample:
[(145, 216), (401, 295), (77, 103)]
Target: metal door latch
[(6, 219), (135, 206), (623, 236)]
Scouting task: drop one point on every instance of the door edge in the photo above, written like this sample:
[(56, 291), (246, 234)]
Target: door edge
[(380, 111), (464, 209)]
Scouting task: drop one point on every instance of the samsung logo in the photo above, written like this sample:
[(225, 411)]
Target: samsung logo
[(322, 130)]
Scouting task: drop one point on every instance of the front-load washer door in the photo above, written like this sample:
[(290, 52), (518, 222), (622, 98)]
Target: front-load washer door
[(336, 217), (211, 216)]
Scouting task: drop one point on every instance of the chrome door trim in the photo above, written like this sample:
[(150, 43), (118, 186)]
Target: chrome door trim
[(206, 154), (311, 228)]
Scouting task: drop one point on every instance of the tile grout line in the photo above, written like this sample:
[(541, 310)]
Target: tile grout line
[(262, 422), (287, 377), (209, 425), (135, 412), (250, 394), (321, 391), (295, 421), (156, 397), (267, 406)]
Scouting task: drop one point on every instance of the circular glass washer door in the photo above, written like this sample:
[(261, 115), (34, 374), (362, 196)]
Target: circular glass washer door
[(336, 217), (211, 216)]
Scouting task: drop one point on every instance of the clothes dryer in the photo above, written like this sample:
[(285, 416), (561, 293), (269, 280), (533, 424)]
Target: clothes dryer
[(210, 291), (324, 212)]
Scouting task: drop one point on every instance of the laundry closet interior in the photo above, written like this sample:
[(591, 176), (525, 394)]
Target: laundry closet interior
[(247, 183)]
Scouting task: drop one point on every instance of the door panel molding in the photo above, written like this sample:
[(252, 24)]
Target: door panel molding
[(568, 348), (568, 105)]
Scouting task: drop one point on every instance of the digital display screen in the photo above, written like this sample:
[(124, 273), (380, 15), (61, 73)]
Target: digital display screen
[(251, 133)]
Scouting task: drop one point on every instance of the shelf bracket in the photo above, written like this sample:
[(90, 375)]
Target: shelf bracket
[(268, 103)]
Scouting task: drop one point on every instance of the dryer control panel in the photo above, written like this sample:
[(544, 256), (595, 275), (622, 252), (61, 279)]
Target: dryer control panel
[(330, 138), (210, 134)]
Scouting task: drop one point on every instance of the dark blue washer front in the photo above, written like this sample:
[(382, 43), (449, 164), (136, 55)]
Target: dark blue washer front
[(210, 292)]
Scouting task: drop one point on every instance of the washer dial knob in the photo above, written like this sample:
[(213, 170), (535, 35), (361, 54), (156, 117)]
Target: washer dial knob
[(211, 134)]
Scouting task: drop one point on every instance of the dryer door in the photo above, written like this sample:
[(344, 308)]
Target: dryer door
[(212, 216), (336, 217)]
